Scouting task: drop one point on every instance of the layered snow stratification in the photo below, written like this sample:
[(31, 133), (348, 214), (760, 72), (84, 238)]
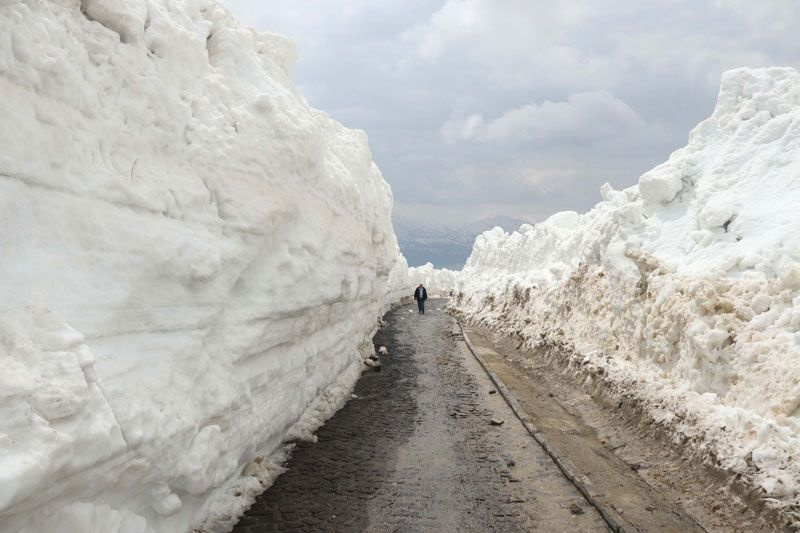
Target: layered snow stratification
[(437, 281), (191, 258), (685, 289)]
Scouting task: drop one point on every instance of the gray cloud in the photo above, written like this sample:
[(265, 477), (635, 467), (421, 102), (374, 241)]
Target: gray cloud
[(521, 107)]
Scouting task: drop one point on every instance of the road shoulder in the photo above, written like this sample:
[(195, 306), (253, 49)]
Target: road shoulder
[(645, 483)]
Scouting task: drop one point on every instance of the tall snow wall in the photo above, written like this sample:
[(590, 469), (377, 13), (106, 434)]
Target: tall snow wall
[(684, 290), (191, 258)]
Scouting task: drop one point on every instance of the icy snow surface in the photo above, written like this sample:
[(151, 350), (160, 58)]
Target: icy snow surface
[(191, 259), (685, 288)]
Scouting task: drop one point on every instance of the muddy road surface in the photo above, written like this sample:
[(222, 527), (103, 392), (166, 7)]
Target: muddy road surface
[(420, 450)]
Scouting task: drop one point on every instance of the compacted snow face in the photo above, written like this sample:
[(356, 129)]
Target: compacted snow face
[(191, 258), (684, 289), (437, 281)]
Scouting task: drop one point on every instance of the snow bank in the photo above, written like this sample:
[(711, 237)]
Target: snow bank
[(683, 290), (437, 281), (192, 258)]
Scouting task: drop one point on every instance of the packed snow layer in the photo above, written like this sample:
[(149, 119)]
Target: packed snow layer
[(683, 290), (437, 281), (192, 258)]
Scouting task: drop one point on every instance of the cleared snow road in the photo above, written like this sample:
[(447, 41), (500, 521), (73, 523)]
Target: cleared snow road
[(417, 451)]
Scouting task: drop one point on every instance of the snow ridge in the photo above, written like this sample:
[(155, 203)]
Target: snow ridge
[(438, 281), (683, 290), (192, 260)]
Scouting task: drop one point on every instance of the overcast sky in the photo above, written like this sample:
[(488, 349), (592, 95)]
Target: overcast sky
[(524, 108)]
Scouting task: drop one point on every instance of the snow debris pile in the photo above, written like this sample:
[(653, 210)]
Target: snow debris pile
[(192, 260), (437, 281), (683, 290)]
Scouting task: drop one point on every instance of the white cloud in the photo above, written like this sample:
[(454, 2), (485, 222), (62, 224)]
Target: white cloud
[(455, 21), (593, 44), (581, 118), (517, 42)]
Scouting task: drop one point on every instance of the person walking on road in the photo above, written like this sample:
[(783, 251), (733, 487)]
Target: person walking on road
[(420, 295)]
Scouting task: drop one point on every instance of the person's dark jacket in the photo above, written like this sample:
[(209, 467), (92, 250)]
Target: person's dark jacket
[(420, 294)]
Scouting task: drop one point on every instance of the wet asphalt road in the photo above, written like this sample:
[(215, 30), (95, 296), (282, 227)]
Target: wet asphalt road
[(416, 451)]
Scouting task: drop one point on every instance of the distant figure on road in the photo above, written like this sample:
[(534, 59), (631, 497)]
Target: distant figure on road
[(420, 295)]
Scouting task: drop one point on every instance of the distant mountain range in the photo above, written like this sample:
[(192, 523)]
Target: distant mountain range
[(444, 247)]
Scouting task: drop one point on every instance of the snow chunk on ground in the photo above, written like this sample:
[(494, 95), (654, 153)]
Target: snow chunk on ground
[(193, 260)]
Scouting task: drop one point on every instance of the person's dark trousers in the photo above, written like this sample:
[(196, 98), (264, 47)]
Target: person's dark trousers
[(421, 305)]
